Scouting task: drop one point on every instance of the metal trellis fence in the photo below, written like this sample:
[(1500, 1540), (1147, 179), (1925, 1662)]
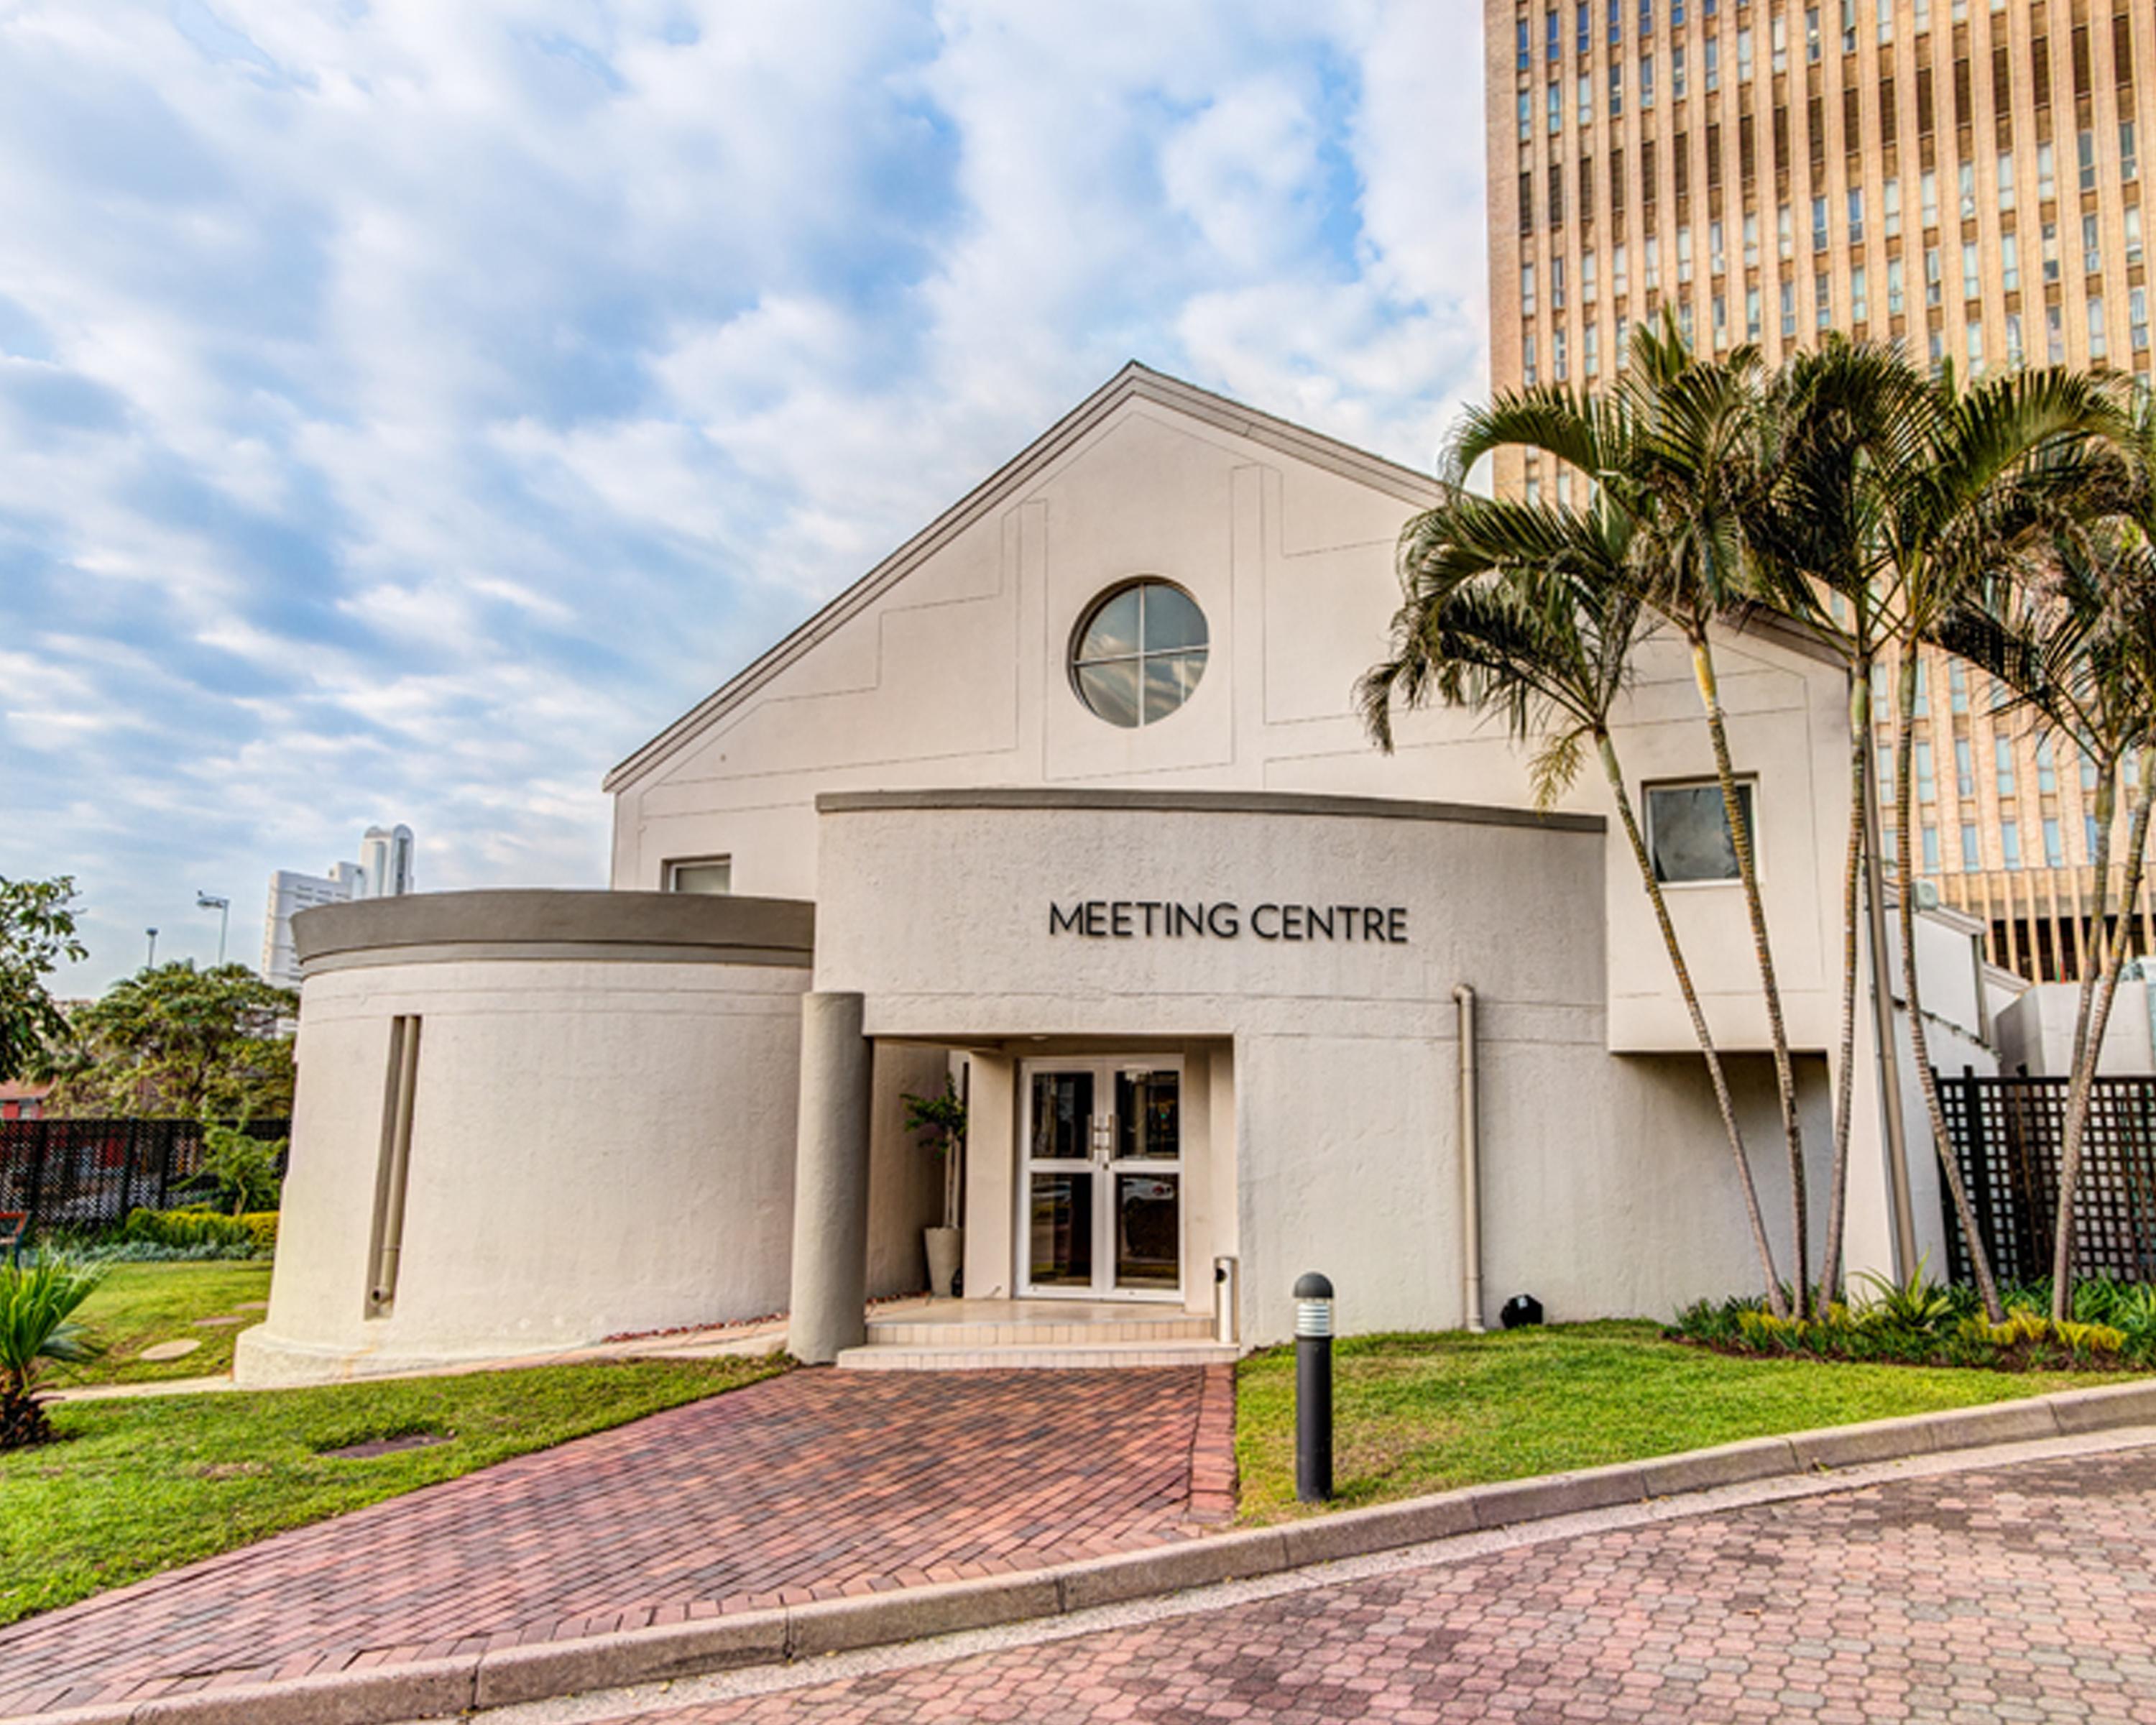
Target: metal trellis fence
[(88, 1174), (2008, 1135)]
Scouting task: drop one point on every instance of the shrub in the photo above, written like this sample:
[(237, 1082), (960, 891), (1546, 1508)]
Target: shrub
[(262, 1225), (37, 1303), (242, 1171), (193, 1231)]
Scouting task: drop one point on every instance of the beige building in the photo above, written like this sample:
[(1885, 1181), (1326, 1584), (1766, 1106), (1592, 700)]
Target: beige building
[(1965, 176), (1069, 799)]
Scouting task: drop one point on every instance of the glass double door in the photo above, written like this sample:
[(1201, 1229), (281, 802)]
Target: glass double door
[(1101, 1178)]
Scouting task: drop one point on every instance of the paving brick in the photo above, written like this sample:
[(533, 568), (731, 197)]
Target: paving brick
[(2027, 1592), (794, 1490)]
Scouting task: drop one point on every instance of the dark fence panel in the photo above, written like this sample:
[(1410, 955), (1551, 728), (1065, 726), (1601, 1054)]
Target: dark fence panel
[(88, 1174), (2008, 1134)]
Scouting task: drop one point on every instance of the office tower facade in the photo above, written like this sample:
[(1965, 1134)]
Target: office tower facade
[(385, 860), (1965, 177), (290, 893)]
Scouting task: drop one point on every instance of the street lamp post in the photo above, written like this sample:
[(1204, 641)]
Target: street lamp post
[(222, 907), (151, 963)]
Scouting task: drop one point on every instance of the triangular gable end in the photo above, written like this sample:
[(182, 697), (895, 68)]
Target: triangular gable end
[(1134, 383)]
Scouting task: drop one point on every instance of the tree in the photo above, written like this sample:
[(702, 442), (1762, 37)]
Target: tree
[(1526, 614), (36, 936), (1675, 446), (180, 1041), (1979, 484)]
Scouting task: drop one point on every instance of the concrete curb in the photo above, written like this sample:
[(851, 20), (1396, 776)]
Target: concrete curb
[(389, 1695)]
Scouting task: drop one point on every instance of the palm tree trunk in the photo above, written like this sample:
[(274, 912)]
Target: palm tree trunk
[(1927, 1080), (1775, 1302), (1837, 1207), (2082, 1089), (1740, 836), (2107, 806)]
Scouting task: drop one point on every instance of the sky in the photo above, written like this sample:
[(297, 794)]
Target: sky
[(407, 408)]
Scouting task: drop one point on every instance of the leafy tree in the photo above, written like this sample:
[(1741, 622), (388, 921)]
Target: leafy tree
[(36, 936), (179, 1041), (37, 1303), (940, 1120), (242, 1170)]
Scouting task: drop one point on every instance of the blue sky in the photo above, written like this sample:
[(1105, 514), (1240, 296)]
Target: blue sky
[(406, 408)]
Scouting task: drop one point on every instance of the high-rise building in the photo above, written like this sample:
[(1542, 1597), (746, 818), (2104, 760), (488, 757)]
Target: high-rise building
[(1962, 177), (385, 859), (383, 870), (290, 893)]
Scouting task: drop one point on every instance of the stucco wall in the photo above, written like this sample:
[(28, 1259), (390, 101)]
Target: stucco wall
[(599, 1145), (1607, 1188)]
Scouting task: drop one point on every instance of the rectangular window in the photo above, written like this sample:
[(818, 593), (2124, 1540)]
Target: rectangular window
[(2088, 837), (2133, 234), (2055, 850), (1527, 288), (1584, 89), (2005, 183), (1744, 56), (1647, 80), (2085, 150), (1789, 309), (1684, 255), (1931, 837), (1688, 830), (1785, 233), (1751, 240), (1956, 688), (1522, 44), (1526, 107), (1528, 358), (1859, 305), (2002, 763), (1616, 90), (1927, 197), (1964, 768), (2047, 186), (1927, 785), (1931, 275), (2010, 263), (2010, 843), (1556, 283), (1894, 301), (1965, 184), (1591, 349), (2092, 247), (1819, 225), (1716, 260), (1677, 71), (1588, 273), (1822, 300), (2129, 167), (702, 874), (2099, 340), (1971, 857), (1890, 199), (2137, 318), (1713, 63), (1972, 278), (1856, 215), (392, 1167), (2014, 348), (1583, 34), (1618, 275), (2047, 770)]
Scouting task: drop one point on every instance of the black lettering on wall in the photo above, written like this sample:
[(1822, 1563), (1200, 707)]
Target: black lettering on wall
[(1224, 921), (1059, 919)]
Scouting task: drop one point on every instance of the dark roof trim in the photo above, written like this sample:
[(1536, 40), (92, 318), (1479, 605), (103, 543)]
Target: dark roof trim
[(1267, 802)]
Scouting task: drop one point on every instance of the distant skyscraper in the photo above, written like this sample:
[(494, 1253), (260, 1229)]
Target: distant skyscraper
[(1960, 176), (384, 871), (385, 859), (289, 894)]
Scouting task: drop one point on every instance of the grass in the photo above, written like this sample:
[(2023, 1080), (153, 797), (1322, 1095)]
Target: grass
[(140, 1485), (139, 1305), (1427, 1413)]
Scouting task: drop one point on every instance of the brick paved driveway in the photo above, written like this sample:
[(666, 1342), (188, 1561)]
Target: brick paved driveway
[(2009, 1596), (805, 1486)]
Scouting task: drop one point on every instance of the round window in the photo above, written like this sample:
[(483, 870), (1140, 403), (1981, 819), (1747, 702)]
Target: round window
[(1139, 653)]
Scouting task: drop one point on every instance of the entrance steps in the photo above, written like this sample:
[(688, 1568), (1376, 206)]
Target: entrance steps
[(979, 1335)]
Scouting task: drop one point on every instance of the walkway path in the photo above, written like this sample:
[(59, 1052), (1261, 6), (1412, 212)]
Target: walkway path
[(805, 1486), (2012, 1595)]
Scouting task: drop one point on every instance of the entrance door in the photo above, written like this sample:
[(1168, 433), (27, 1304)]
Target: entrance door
[(1102, 1191)]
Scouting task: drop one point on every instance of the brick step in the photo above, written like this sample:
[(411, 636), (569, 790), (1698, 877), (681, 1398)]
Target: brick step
[(1037, 1333), (1077, 1356)]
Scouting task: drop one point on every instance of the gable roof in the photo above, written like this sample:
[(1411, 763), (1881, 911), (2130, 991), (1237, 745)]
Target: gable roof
[(1134, 383)]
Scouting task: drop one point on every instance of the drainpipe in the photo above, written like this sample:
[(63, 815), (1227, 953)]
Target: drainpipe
[(1471, 1162)]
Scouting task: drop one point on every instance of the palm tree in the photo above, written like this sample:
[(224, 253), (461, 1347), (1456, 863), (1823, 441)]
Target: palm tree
[(1527, 613), (1971, 491), (1674, 446), (2076, 641), (1831, 422)]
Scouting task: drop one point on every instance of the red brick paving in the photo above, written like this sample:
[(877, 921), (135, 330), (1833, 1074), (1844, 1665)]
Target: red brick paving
[(802, 1487), (2020, 1595)]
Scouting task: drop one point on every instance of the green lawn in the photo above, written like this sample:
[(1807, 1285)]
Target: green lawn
[(140, 1305), (139, 1485), (1421, 1413)]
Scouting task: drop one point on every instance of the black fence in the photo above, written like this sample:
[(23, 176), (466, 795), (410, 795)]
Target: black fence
[(2008, 1134), (88, 1174)]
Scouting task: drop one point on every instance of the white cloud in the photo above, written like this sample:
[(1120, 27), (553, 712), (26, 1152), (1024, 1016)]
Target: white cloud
[(406, 409)]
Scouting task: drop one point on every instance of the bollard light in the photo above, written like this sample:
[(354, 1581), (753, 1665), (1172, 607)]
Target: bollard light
[(1313, 1389)]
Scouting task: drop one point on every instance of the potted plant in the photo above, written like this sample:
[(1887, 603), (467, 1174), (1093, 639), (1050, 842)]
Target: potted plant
[(940, 1120)]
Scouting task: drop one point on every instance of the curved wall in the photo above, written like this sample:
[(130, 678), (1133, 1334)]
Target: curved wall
[(603, 1131)]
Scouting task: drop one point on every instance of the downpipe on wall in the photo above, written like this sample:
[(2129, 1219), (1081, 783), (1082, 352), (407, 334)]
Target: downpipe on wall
[(1470, 1162)]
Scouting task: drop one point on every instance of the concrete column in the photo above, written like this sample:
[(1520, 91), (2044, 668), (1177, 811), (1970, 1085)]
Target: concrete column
[(831, 1180), (991, 1136)]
